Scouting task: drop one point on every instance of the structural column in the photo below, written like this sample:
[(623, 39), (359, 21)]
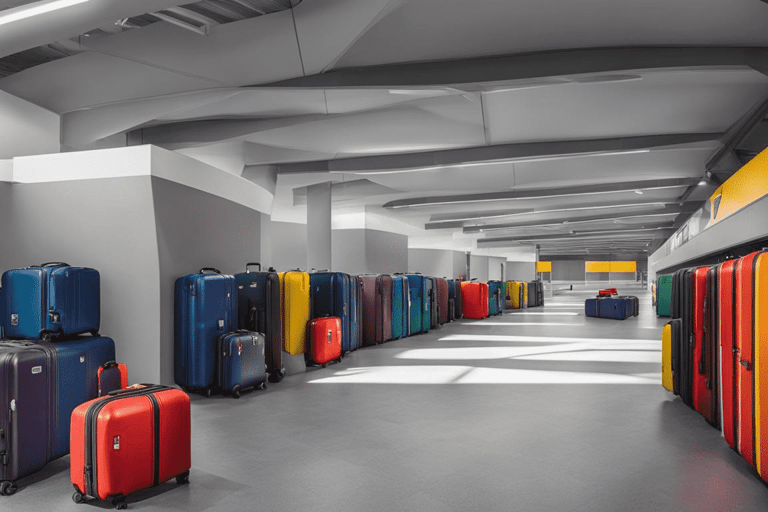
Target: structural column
[(319, 226)]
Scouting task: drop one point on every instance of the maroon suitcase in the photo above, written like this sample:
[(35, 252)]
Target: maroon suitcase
[(377, 309), (442, 298)]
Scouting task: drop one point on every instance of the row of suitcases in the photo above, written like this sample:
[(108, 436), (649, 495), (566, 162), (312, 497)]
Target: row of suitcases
[(715, 345), (521, 294)]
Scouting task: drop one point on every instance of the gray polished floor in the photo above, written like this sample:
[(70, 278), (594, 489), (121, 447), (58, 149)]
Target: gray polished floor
[(538, 410)]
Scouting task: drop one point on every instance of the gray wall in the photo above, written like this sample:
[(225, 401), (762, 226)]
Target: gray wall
[(289, 246), (349, 254), (495, 266), (106, 224), (459, 264), (386, 253), (478, 268), (568, 270), (194, 230), (521, 271)]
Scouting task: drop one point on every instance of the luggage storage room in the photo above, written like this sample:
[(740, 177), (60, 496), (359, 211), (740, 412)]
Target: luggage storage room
[(384, 255)]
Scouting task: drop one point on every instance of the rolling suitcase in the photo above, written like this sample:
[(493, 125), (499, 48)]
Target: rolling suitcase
[(427, 320), (701, 396), (258, 310), (664, 296), (330, 296), (709, 405), (726, 334), (45, 383), (325, 340), (760, 302), (49, 300), (130, 440), (400, 307), (205, 308), (676, 354), (474, 297), (377, 309), (454, 291), (111, 377), (666, 358), (294, 287), (240, 362), (443, 297), (434, 305), (590, 307), (495, 302), (617, 308), (417, 294), (356, 316)]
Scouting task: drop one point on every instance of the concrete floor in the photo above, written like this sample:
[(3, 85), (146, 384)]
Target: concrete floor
[(539, 410)]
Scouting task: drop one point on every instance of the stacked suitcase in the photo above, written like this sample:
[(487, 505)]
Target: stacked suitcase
[(47, 381), (617, 308)]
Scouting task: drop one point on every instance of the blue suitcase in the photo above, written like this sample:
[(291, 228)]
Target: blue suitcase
[(259, 310), (617, 308), (418, 292), (241, 362), (49, 300), (330, 296), (428, 320), (356, 312), (400, 307), (495, 304), (590, 307), (205, 308)]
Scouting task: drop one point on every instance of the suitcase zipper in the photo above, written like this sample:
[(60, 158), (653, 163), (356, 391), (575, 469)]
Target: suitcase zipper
[(156, 411)]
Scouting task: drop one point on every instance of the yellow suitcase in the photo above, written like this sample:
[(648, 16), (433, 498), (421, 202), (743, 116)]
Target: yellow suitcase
[(760, 358), (294, 289), (514, 295), (666, 358)]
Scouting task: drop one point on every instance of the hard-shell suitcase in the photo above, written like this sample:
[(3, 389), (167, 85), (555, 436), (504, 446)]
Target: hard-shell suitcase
[(295, 287), (434, 305), (427, 319), (495, 298), (330, 296), (607, 292), (709, 403), (111, 377), (701, 396), (518, 294), (325, 340), (52, 299), (418, 296), (206, 308), (454, 291), (676, 348), (45, 383), (240, 362), (666, 358), (729, 360), (400, 307), (474, 296), (617, 308), (590, 307), (760, 338), (130, 440), (443, 297), (683, 303), (356, 316), (377, 309), (664, 295), (258, 310)]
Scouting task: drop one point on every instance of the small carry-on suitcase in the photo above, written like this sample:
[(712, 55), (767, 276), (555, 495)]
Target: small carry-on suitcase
[(324, 341), (294, 287), (443, 297), (418, 293), (240, 363), (400, 307), (330, 296), (112, 376), (676, 352), (258, 310), (49, 300), (474, 297), (729, 360), (533, 296), (664, 295), (206, 308), (607, 292), (518, 294), (130, 440)]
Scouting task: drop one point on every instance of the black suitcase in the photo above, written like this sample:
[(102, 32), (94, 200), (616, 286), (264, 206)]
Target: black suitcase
[(683, 302), (258, 310)]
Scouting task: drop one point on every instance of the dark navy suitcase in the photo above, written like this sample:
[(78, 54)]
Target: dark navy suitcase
[(330, 292), (258, 310), (46, 382), (205, 308), (454, 291), (241, 362), (430, 317), (590, 307), (356, 312), (418, 299), (618, 308), (52, 299), (400, 307)]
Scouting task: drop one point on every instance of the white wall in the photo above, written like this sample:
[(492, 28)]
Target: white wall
[(494, 268), (289, 246), (521, 271), (431, 262), (26, 129), (478, 268)]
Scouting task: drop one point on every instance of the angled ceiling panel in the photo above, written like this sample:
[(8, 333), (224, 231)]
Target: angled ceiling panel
[(424, 30), (661, 102), (91, 78)]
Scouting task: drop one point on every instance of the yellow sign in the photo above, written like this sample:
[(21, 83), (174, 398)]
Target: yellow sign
[(624, 266), (597, 266), (543, 266), (610, 266), (746, 186)]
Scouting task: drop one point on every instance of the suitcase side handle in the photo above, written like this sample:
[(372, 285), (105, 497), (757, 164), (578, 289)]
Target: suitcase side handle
[(55, 264), (146, 389), (248, 265), (209, 269)]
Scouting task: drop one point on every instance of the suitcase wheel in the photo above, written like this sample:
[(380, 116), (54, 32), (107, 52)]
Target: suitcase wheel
[(120, 504), (46, 337), (8, 488), (78, 497), (183, 478), (263, 385), (275, 377), (207, 392), (236, 391)]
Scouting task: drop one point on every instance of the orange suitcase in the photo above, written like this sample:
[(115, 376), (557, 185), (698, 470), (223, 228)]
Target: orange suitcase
[(325, 340), (129, 440)]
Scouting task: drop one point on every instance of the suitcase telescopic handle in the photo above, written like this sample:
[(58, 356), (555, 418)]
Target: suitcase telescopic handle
[(145, 389), (55, 264), (248, 265), (210, 269)]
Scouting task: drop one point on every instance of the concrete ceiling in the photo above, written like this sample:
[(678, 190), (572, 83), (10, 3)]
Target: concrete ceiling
[(484, 119)]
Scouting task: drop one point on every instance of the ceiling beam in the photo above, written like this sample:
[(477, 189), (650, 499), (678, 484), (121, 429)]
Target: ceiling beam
[(725, 160), (620, 233), (535, 65), (498, 152), (540, 193)]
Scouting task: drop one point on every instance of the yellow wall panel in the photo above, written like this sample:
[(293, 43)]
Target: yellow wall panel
[(624, 266), (748, 185), (597, 266), (543, 266)]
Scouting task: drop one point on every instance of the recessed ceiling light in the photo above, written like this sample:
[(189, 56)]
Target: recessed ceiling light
[(702, 182), (638, 191), (30, 10)]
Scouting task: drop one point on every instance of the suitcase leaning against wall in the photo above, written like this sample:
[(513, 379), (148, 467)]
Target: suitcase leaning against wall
[(206, 308), (49, 300), (130, 440), (258, 310)]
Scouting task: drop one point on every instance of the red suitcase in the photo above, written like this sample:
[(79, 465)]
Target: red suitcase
[(377, 308), (474, 297), (129, 440), (325, 340), (607, 292), (726, 326), (700, 393), (442, 298)]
